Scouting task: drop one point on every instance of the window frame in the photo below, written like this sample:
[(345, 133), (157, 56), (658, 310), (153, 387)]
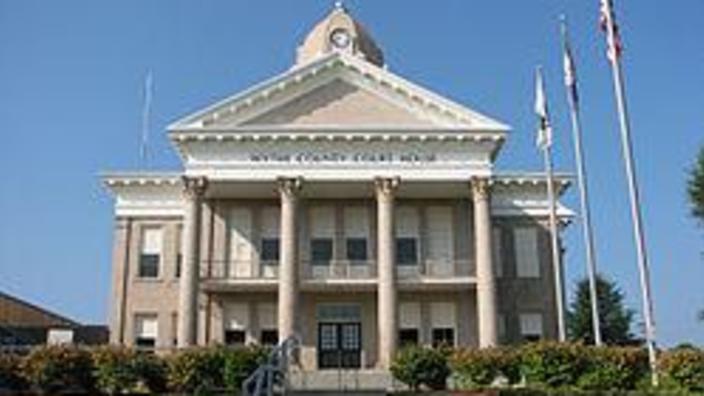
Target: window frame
[(270, 242), (349, 247), (399, 241), (444, 331), (407, 331), (329, 249)]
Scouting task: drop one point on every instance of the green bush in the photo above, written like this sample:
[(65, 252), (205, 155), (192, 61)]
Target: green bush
[(196, 370), (683, 369), (201, 370), (478, 368), (11, 378), (613, 368), (123, 370), (421, 367), (53, 369), (239, 364), (552, 364)]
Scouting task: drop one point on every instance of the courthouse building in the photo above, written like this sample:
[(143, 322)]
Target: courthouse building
[(339, 203)]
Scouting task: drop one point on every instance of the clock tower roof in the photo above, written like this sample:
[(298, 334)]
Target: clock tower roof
[(339, 32)]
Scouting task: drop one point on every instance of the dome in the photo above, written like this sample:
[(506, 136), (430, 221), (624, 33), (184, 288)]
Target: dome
[(339, 32)]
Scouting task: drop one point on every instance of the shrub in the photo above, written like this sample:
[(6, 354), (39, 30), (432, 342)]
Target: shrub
[(11, 378), (418, 366), (477, 368), (683, 369), (53, 369), (240, 363), (196, 370), (552, 364), (613, 368), (123, 370)]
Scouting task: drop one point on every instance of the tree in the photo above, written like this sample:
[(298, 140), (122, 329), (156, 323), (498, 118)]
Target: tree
[(615, 317), (695, 187)]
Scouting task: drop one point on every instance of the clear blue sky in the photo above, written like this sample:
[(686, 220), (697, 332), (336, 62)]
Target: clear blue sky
[(71, 74)]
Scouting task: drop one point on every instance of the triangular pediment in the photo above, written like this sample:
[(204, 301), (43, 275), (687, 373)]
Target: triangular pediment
[(339, 103), (341, 92)]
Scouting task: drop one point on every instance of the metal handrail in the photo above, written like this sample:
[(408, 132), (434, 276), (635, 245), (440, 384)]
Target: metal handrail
[(273, 371)]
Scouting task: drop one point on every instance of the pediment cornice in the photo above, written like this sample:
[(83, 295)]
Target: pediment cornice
[(234, 112)]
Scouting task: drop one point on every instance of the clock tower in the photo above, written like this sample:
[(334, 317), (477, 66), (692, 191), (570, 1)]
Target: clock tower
[(342, 33)]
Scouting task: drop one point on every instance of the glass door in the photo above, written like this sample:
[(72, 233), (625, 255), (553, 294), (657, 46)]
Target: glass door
[(339, 345)]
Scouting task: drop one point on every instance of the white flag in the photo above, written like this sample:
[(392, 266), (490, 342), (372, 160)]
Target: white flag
[(569, 69), (544, 138)]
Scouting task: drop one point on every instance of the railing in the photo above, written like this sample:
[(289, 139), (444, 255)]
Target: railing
[(339, 270), (240, 269), (273, 373), (333, 269)]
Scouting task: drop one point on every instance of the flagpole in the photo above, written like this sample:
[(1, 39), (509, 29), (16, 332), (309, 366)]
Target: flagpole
[(626, 143), (557, 262), (571, 85), (146, 112), (545, 143)]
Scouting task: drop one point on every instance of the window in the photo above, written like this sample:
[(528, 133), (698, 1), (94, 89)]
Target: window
[(408, 337), (234, 337), (444, 336), (179, 263), (526, 241), (270, 250), (531, 326), (150, 254), (270, 337), (357, 250), (406, 251), (321, 251), (146, 330)]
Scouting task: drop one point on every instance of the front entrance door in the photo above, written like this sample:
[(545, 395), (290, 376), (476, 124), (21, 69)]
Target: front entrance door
[(339, 345)]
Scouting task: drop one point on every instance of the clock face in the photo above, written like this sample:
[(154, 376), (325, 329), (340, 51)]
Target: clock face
[(340, 38)]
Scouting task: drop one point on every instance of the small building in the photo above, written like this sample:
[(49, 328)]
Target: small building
[(24, 324), (339, 203)]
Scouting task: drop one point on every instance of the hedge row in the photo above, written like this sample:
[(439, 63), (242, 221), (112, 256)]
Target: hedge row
[(555, 366), (117, 370)]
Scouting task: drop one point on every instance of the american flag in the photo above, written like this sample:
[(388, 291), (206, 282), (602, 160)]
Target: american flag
[(607, 22)]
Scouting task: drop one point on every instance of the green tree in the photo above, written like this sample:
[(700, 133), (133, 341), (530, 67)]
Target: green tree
[(614, 316), (695, 187)]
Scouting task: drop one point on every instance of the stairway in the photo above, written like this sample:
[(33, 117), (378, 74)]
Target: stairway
[(335, 382)]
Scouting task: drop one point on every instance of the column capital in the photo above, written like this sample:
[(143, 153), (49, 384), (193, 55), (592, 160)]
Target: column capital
[(194, 187), (481, 188), (385, 187), (289, 187)]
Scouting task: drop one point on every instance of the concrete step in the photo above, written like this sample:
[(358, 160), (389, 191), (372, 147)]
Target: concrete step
[(329, 382)]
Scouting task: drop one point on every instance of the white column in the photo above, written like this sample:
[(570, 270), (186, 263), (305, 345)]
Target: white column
[(288, 269), (486, 280), (386, 298), (194, 189)]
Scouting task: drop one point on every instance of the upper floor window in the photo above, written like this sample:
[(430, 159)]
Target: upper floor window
[(406, 251), (526, 247), (321, 251), (150, 254), (270, 250), (356, 250)]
